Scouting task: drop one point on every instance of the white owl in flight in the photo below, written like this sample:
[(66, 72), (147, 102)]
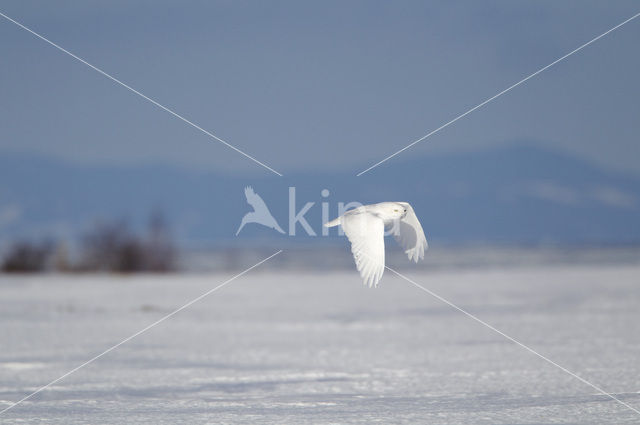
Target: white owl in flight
[(365, 227)]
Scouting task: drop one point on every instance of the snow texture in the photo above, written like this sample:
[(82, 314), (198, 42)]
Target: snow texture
[(302, 348)]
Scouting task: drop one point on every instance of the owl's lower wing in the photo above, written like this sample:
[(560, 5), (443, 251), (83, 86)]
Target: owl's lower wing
[(410, 236), (366, 234)]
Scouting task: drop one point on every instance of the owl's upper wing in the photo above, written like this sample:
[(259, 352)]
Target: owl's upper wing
[(410, 236), (366, 234)]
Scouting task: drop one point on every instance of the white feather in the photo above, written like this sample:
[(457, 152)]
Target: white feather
[(365, 226), (366, 234), (410, 236)]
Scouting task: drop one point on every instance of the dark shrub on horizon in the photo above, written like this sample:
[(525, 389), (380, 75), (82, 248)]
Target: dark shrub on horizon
[(104, 247), (26, 257), (107, 247), (113, 247)]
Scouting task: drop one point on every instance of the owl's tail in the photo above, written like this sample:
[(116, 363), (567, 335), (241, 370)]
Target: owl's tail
[(332, 223)]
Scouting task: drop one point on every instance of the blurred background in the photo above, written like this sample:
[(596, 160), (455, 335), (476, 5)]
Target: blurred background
[(92, 177)]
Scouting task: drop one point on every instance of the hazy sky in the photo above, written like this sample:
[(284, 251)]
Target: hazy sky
[(317, 84)]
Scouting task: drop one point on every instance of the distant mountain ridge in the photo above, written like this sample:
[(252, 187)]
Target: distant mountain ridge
[(514, 195)]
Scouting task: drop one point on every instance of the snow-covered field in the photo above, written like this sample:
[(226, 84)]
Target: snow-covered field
[(298, 348)]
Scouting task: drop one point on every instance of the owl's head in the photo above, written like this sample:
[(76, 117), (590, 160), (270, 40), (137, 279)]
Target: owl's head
[(392, 210)]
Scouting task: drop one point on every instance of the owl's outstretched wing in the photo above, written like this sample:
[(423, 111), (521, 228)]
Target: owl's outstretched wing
[(410, 236), (366, 234)]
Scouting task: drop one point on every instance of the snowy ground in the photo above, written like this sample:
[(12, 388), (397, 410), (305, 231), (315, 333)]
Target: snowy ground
[(307, 348)]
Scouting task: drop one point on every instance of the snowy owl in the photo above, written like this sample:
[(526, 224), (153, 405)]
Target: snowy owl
[(365, 227)]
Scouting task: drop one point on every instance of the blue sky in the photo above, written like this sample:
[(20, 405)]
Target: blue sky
[(304, 85)]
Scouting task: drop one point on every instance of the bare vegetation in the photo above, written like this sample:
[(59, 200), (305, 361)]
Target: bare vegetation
[(106, 247), (25, 256)]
